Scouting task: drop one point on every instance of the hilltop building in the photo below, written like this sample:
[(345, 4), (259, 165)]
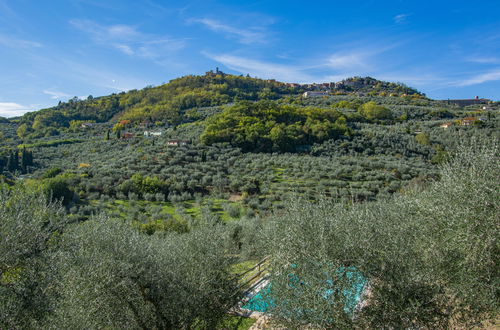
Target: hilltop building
[(213, 74)]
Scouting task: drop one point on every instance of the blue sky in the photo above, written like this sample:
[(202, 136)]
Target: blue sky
[(56, 49)]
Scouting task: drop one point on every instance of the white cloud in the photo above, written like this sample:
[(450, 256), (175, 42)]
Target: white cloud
[(56, 95), (246, 36), (480, 78), (358, 60), (484, 59), (101, 77), (13, 42), (349, 61), (263, 69), (128, 40), (125, 49), (11, 109), (105, 33), (335, 67), (401, 18)]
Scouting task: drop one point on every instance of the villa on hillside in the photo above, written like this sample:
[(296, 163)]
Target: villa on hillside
[(446, 125), (466, 102), (126, 136), (152, 133), (178, 142), (315, 94), (468, 121)]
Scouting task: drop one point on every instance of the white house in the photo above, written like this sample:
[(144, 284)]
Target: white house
[(315, 94), (151, 133)]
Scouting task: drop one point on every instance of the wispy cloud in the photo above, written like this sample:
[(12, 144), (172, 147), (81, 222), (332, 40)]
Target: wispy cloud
[(11, 109), (349, 60), (263, 69), (484, 59), (129, 40), (13, 42), (56, 95), (401, 18), (101, 77), (248, 35), (332, 67), (492, 75)]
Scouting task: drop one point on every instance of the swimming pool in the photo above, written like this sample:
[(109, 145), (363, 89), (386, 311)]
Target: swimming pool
[(263, 301)]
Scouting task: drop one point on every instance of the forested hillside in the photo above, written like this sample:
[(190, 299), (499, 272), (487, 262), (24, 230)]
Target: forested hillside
[(164, 103), (148, 203), (167, 103)]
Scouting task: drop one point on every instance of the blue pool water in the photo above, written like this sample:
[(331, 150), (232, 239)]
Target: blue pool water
[(263, 301)]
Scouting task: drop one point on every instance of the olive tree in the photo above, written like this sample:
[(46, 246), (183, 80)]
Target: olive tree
[(29, 230), (429, 257), (113, 276), (103, 273)]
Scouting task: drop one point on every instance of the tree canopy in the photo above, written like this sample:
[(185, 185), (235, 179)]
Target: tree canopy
[(269, 126)]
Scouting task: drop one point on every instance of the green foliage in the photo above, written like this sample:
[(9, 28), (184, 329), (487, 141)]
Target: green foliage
[(182, 214), (105, 274), (50, 143), (76, 124), (347, 104), (170, 225), (57, 188), (164, 103), (371, 111), (113, 276), (144, 185), (430, 256), (51, 172), (268, 126), (372, 86), (423, 138), (441, 156), (14, 161), (234, 322), (28, 228), (23, 130)]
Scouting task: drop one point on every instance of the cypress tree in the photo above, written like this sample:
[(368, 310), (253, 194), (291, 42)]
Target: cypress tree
[(24, 160), (13, 161)]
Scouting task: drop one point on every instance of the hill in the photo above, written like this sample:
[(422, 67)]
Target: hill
[(212, 173), (167, 103)]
